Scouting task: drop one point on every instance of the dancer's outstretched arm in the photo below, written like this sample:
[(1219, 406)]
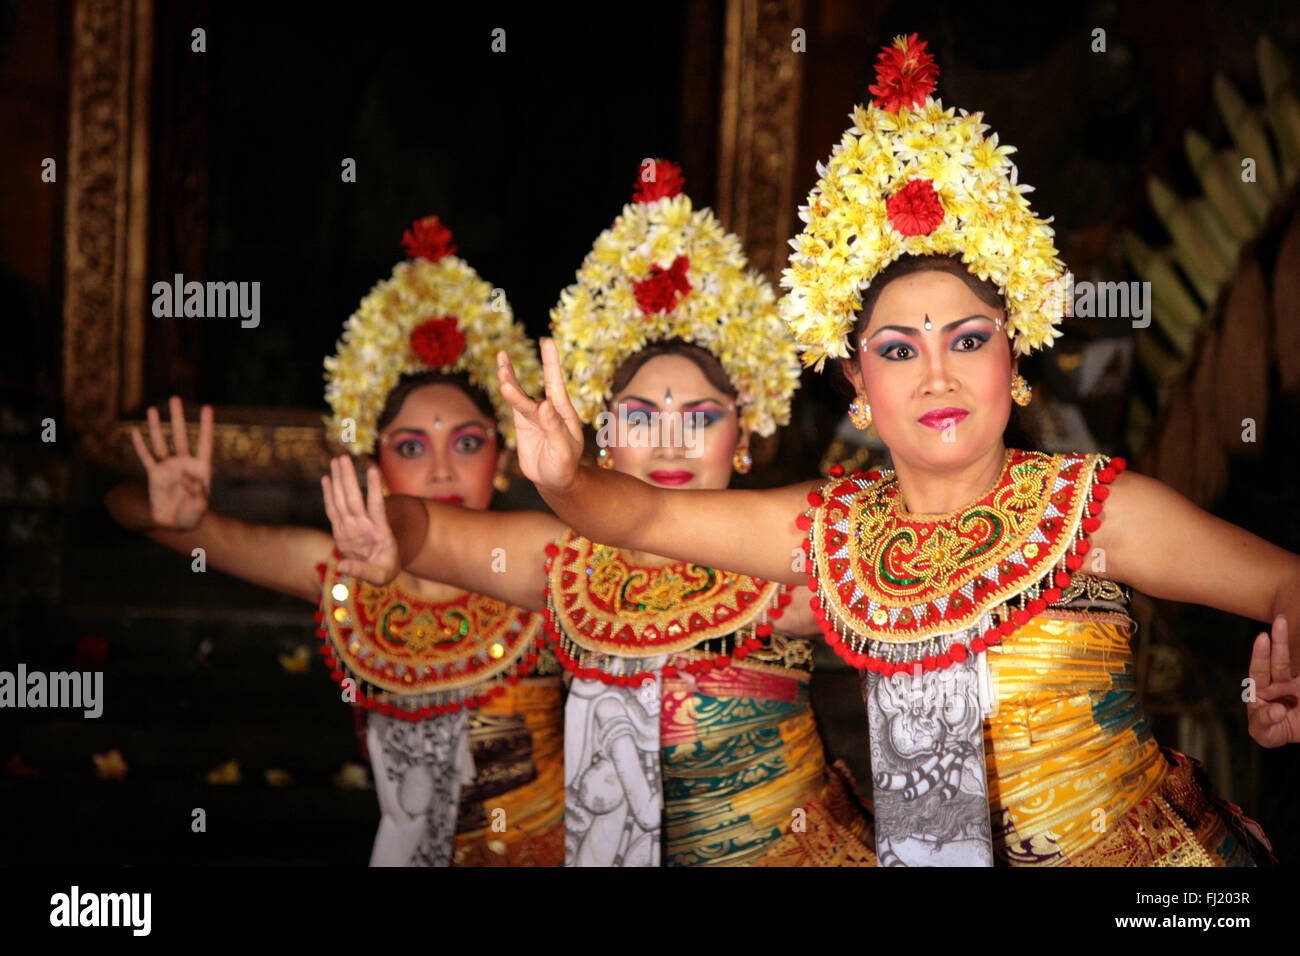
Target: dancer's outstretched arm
[(173, 510), (1159, 542), (751, 532), (501, 554)]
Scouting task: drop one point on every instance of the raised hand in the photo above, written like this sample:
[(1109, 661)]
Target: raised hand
[(179, 485), (361, 530), (1274, 715), (548, 433)]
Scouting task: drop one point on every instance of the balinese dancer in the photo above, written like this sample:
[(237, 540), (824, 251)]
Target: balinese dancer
[(461, 727), (689, 738), (979, 589)]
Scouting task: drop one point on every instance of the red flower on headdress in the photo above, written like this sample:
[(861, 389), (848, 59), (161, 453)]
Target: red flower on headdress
[(663, 289), (905, 75), (660, 179), (915, 210), (438, 342), (428, 239)]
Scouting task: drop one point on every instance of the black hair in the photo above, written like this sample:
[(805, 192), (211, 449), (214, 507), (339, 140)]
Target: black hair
[(702, 357), (409, 383)]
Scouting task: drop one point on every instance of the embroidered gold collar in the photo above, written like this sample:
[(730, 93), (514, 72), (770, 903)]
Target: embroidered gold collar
[(896, 577), (605, 603), (396, 641)]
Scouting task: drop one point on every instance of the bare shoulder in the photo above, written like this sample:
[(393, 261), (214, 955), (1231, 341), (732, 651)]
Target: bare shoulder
[(788, 502), (1161, 543), (1133, 501)]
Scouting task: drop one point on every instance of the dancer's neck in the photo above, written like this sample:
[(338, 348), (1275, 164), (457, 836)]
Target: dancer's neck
[(929, 491)]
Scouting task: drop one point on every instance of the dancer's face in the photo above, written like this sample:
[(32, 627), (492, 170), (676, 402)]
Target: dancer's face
[(961, 364), (695, 430), (439, 445)]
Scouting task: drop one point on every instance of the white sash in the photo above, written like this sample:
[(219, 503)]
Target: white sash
[(419, 769), (612, 782)]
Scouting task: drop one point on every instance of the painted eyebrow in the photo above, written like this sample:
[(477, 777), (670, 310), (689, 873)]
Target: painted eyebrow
[(424, 434), (646, 401), (908, 330)]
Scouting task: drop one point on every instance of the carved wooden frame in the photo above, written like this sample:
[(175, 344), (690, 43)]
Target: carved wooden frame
[(762, 88), (105, 260)]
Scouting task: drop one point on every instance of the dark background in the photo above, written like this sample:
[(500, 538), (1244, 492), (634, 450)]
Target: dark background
[(526, 156)]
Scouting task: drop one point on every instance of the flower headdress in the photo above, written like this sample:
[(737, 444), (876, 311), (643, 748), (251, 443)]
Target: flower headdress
[(433, 314), (911, 178), (664, 271)]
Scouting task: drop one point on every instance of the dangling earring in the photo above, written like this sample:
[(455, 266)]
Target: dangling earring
[(741, 461), (1021, 393), (604, 459), (860, 412), (501, 481)]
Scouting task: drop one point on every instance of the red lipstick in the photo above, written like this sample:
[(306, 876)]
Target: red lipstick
[(941, 418), (671, 478)]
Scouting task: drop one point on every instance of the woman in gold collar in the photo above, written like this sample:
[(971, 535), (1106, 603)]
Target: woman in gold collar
[(977, 588)]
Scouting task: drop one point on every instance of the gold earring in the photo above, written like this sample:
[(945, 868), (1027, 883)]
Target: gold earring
[(742, 461), (501, 481), (1021, 393), (604, 459), (860, 412)]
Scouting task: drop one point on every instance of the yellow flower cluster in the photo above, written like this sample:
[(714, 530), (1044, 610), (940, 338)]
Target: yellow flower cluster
[(849, 238), (375, 351), (729, 311)]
